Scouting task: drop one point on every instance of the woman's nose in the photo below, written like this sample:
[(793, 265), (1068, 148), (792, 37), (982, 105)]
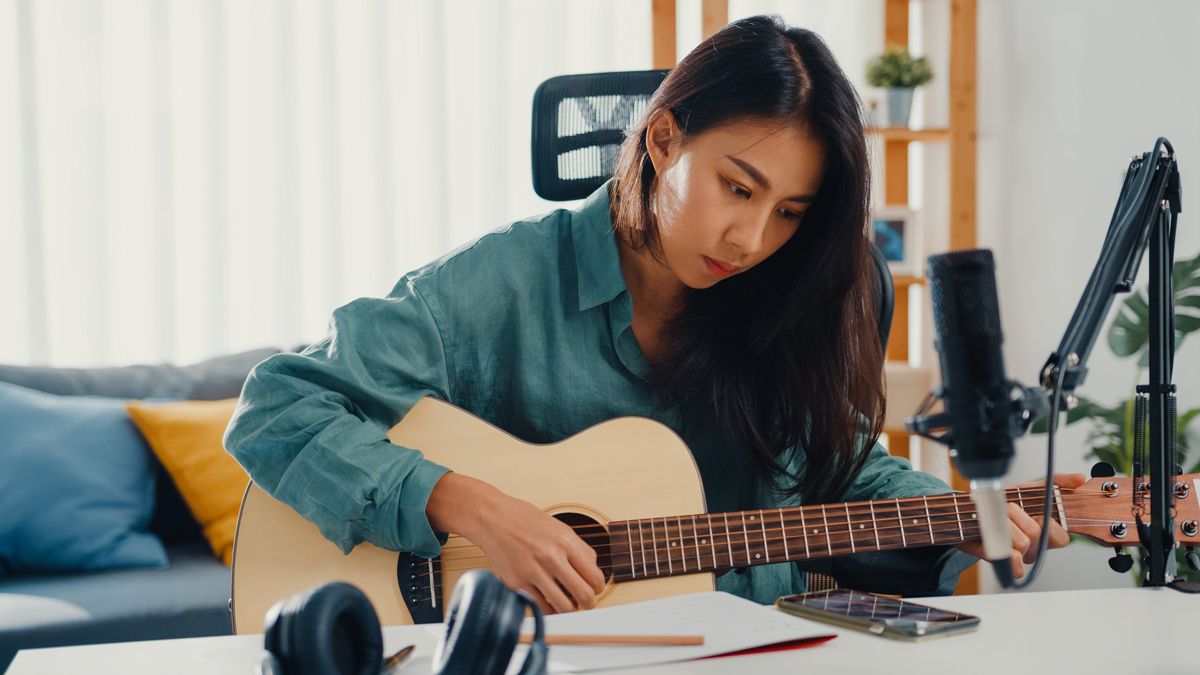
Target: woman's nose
[(747, 235)]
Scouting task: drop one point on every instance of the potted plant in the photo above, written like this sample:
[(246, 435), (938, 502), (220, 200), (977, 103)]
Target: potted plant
[(897, 71), (1111, 428)]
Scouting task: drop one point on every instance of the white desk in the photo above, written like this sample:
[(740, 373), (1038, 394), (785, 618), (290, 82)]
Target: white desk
[(1097, 631)]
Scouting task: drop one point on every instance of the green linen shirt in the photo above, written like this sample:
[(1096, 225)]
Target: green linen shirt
[(529, 328)]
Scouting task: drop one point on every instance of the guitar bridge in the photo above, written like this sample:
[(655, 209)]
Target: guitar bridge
[(420, 582)]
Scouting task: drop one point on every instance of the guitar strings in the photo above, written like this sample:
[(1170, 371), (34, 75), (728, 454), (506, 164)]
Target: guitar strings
[(795, 517), (595, 534), (742, 537), (839, 540), (877, 511)]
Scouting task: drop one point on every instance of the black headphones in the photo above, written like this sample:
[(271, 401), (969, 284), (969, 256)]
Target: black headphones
[(332, 629)]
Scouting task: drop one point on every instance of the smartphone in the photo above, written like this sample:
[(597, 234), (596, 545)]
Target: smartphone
[(878, 614)]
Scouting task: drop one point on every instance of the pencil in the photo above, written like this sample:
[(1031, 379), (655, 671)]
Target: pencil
[(652, 640)]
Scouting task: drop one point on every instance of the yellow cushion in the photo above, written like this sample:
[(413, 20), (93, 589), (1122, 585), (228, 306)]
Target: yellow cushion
[(186, 437)]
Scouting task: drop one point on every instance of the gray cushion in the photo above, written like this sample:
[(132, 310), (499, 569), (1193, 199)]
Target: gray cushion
[(188, 599), (214, 379)]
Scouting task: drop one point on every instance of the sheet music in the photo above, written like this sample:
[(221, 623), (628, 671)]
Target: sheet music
[(727, 622)]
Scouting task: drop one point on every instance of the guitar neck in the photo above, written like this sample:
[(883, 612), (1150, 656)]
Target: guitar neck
[(711, 542)]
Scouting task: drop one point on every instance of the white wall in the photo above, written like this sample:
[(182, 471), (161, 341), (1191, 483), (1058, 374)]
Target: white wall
[(1069, 90)]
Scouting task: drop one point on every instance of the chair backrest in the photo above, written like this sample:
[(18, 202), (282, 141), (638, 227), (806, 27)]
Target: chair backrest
[(579, 122)]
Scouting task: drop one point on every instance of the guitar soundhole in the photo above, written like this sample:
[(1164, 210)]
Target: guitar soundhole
[(595, 535)]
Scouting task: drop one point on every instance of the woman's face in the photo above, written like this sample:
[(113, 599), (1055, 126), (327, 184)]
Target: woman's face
[(728, 198)]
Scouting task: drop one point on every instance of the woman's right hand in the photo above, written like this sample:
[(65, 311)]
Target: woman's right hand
[(528, 550)]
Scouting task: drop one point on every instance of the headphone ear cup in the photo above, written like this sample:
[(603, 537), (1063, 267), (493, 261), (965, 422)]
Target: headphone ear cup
[(538, 655), (330, 629), (482, 626)]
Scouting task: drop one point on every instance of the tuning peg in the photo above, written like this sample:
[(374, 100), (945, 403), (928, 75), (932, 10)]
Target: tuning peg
[(1193, 560), (1178, 470), (1122, 562), (1103, 470)]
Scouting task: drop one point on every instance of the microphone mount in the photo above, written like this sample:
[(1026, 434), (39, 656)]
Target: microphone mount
[(1145, 217)]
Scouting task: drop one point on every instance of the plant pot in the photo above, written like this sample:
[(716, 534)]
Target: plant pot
[(899, 105)]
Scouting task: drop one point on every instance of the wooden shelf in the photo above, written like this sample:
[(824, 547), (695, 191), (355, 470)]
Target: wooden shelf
[(909, 135), (906, 280)]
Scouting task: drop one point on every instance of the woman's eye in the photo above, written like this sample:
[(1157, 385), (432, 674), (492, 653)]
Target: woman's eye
[(737, 190), (794, 215)]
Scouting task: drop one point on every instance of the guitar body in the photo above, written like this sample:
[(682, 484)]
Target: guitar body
[(622, 469)]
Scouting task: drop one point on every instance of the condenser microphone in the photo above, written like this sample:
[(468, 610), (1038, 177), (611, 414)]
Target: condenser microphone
[(978, 398)]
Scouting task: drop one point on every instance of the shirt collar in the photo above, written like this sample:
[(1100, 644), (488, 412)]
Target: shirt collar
[(597, 264)]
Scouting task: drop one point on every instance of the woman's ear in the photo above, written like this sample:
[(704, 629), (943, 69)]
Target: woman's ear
[(662, 140)]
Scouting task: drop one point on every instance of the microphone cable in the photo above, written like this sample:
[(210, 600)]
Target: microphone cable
[(1005, 577)]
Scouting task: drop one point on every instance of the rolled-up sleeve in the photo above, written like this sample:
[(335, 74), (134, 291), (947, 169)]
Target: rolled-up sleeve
[(311, 428), (932, 570)]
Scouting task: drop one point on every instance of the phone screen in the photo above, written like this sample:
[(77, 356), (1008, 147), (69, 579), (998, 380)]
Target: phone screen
[(879, 614)]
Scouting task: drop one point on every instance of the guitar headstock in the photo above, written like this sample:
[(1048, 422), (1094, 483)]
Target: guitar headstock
[(1102, 510)]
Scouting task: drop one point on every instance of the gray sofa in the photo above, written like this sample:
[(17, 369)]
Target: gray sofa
[(190, 598)]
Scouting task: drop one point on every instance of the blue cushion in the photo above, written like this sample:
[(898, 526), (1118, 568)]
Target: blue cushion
[(77, 490)]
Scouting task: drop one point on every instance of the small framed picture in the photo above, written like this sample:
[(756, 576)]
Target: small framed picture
[(896, 231)]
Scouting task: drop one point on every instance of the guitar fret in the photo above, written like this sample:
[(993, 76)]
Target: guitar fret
[(654, 547), (682, 550), (804, 531), (729, 541), (825, 519), (629, 534), (766, 547), (667, 536), (849, 527), (746, 536), (900, 515), (915, 523), (712, 543), (696, 541), (928, 519), (874, 525), (642, 546), (958, 519), (783, 531)]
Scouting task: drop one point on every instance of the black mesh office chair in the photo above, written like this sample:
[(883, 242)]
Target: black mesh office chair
[(579, 122)]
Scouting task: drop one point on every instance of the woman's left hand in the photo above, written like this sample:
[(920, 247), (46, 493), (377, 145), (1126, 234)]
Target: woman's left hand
[(1026, 529)]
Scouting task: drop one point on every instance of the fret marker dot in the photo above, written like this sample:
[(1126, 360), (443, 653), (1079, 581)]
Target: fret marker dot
[(815, 530), (672, 543), (751, 517), (757, 555), (974, 515), (703, 541), (915, 521), (861, 526)]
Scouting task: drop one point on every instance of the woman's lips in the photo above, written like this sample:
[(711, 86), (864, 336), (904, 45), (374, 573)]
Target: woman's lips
[(718, 268)]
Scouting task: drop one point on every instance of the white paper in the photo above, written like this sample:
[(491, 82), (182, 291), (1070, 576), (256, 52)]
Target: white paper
[(727, 622)]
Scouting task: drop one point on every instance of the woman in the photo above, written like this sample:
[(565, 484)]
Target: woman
[(719, 283)]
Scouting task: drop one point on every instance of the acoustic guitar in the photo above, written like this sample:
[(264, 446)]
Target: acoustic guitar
[(631, 489)]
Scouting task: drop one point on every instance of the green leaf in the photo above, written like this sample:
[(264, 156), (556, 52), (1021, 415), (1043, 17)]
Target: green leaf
[(1185, 419), (1129, 331), (896, 67)]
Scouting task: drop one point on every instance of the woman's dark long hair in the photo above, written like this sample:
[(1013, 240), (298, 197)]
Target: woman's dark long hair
[(786, 355)]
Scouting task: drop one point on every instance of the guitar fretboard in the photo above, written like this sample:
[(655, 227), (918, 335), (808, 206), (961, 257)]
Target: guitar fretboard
[(708, 542)]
